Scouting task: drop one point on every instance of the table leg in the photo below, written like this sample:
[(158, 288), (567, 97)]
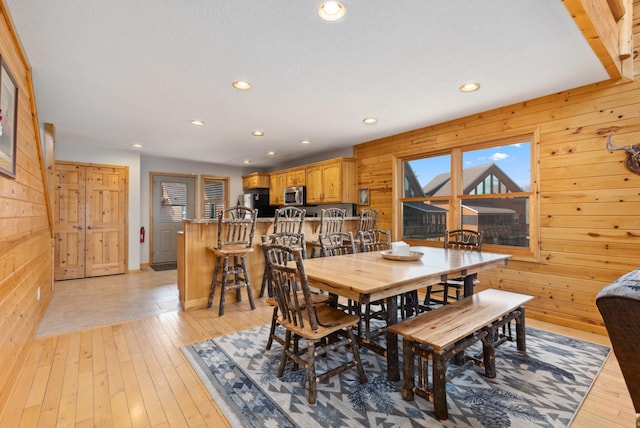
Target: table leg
[(521, 340), (393, 365)]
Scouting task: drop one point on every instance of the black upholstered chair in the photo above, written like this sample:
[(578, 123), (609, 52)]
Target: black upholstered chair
[(619, 305)]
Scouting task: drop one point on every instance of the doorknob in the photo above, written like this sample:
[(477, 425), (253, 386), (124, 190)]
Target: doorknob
[(89, 227), (79, 227)]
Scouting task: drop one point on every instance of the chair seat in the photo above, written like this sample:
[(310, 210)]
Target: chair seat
[(231, 250), (332, 318), (315, 298)]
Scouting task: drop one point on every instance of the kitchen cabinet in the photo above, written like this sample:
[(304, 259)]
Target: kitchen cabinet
[(296, 177), (331, 181), (277, 183), (256, 180)]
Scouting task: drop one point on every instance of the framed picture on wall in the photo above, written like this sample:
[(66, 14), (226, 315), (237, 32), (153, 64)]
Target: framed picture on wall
[(363, 196), (8, 121)]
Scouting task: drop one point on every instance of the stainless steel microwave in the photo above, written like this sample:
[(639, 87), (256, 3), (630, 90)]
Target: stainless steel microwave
[(295, 195)]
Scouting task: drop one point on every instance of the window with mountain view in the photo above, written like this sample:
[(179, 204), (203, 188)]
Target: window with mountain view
[(484, 188)]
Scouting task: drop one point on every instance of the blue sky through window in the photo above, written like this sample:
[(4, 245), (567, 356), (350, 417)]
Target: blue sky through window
[(513, 159)]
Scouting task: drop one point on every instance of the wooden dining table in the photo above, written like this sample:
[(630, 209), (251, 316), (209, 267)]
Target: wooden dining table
[(368, 277)]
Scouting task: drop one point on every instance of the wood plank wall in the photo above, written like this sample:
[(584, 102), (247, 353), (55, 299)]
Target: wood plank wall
[(589, 202), (25, 233)]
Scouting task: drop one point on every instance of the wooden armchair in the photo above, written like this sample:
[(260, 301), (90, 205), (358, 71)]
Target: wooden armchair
[(304, 319), (619, 305)]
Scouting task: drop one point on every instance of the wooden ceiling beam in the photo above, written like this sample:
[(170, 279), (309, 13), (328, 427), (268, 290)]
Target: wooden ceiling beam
[(610, 38)]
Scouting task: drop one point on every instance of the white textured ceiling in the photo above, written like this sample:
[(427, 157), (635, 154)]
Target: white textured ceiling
[(119, 72)]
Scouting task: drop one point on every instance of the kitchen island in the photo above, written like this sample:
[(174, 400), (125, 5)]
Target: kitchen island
[(196, 260)]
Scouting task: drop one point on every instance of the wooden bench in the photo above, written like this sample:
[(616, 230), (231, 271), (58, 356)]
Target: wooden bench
[(446, 332)]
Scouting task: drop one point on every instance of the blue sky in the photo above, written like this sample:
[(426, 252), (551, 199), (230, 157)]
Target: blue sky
[(513, 159)]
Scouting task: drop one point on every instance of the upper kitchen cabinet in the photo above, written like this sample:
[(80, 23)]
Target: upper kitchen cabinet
[(332, 181), (256, 180), (277, 183), (296, 177)]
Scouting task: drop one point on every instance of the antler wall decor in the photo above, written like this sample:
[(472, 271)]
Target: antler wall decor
[(633, 154)]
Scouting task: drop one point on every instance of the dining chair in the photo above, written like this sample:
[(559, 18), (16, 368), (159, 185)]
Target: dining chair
[(287, 219), (372, 240), (331, 220), (290, 240), (236, 227), (459, 239), (321, 327), (338, 244)]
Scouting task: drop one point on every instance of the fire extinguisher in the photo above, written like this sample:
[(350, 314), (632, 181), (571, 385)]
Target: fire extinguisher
[(142, 234)]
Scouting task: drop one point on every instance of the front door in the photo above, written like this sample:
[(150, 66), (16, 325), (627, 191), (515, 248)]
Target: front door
[(173, 199)]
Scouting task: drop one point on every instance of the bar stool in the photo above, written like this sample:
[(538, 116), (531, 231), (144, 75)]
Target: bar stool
[(289, 220), (236, 227), (368, 220), (331, 221)]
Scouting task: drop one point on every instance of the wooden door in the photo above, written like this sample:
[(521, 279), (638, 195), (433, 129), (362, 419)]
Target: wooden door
[(90, 220), (106, 219), (69, 218)]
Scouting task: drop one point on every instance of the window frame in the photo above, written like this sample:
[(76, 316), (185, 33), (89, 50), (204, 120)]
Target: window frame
[(204, 178), (530, 253)]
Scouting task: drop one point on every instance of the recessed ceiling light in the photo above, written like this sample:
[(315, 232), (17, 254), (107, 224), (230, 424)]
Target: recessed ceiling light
[(243, 86), (469, 87), (271, 153), (257, 133), (305, 142), (370, 121), (331, 11), (247, 161), (137, 145), (197, 122)]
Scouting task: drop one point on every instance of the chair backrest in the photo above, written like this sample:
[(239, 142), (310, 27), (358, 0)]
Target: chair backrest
[(236, 227), (463, 239), (287, 273), (619, 305), (288, 219), (286, 239), (331, 220), (368, 219), (374, 240), (337, 244)]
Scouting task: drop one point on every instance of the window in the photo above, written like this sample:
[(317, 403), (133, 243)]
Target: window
[(481, 187), (215, 191), (173, 207)]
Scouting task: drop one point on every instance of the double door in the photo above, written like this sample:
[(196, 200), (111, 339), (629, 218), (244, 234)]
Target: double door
[(90, 214)]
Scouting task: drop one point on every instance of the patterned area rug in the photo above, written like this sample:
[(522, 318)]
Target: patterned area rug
[(542, 388)]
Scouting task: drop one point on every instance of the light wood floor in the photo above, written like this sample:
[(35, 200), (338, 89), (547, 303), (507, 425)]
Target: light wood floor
[(133, 374)]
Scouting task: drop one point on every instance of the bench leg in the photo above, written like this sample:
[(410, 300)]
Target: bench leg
[(439, 386), (489, 352), (408, 369)]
